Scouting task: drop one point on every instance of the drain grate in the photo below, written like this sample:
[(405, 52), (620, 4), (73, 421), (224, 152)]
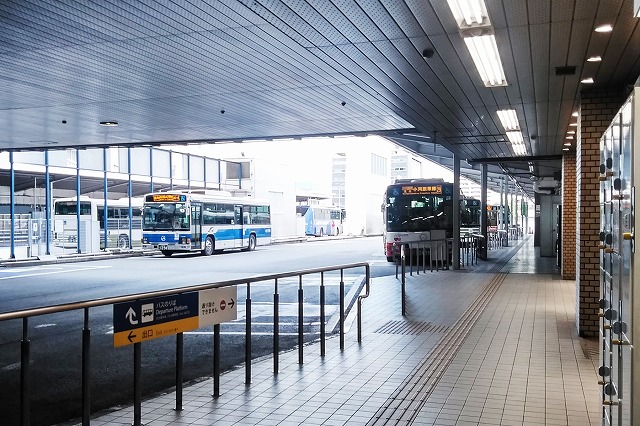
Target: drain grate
[(406, 327)]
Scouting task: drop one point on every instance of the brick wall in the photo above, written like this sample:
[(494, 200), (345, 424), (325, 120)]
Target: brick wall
[(569, 217), (597, 109)]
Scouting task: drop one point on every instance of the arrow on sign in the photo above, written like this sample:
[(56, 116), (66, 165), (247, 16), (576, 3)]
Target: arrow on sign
[(131, 316), (131, 336), (231, 304)]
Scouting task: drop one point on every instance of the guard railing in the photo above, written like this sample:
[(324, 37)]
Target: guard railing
[(85, 306)]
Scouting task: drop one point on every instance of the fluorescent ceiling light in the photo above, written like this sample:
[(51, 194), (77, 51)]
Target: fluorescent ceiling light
[(469, 13), (567, 144), (509, 119), (587, 80), (569, 137), (571, 132), (484, 52), (606, 28), (574, 114), (565, 149), (594, 59), (515, 137)]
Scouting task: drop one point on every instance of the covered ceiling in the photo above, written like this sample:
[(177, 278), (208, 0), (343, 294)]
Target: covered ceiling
[(188, 71)]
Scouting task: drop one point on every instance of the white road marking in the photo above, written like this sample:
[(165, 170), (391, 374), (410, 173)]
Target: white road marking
[(45, 325), (253, 333), (57, 271)]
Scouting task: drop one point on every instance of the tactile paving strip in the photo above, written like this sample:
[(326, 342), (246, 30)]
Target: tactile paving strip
[(405, 404)]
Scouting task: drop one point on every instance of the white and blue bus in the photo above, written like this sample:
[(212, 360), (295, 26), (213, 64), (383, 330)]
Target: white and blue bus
[(322, 220), (180, 222)]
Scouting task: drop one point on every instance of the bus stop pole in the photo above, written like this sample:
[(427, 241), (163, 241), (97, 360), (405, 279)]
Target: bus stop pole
[(12, 208)]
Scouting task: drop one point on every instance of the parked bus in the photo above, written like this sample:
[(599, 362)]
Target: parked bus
[(180, 222), (469, 215), (417, 210), (421, 210), (322, 220), (65, 221)]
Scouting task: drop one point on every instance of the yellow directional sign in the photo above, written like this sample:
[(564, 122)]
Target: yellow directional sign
[(154, 331), (147, 319)]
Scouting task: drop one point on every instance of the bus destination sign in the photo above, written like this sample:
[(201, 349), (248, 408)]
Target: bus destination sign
[(422, 189), (159, 198)]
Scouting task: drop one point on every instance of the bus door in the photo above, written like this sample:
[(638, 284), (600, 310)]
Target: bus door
[(238, 229), (196, 226)]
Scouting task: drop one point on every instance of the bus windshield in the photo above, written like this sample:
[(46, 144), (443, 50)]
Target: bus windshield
[(62, 208), (418, 212), (173, 216)]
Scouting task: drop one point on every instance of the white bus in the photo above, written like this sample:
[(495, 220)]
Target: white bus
[(321, 220), (65, 221), (176, 222)]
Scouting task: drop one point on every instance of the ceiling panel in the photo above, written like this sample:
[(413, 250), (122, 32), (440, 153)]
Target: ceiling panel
[(166, 70)]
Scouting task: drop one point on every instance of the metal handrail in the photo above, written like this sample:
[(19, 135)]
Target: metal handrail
[(25, 314), (65, 307)]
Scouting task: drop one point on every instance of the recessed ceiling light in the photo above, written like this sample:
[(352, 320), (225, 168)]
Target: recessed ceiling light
[(594, 59), (573, 124), (565, 149), (574, 114), (567, 144), (569, 137), (571, 132), (109, 123), (587, 80), (606, 28)]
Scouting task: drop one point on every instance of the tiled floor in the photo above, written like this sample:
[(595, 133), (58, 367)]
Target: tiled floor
[(475, 348)]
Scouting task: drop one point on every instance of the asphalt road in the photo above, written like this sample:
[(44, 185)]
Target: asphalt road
[(55, 384)]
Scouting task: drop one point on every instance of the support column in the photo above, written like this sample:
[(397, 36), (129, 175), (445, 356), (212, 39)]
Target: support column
[(483, 209), (12, 208), (105, 192), (47, 203), (456, 212), (569, 217), (597, 109), (79, 250)]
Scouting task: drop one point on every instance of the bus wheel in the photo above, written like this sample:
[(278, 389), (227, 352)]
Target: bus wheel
[(123, 242), (252, 242), (390, 259), (166, 252), (208, 246)]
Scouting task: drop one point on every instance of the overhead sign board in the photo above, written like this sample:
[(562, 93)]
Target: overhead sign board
[(141, 320)]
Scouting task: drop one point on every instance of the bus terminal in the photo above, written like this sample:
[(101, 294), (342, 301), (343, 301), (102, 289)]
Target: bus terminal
[(155, 283)]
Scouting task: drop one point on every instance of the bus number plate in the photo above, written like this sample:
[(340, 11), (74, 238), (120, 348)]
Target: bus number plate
[(163, 247)]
